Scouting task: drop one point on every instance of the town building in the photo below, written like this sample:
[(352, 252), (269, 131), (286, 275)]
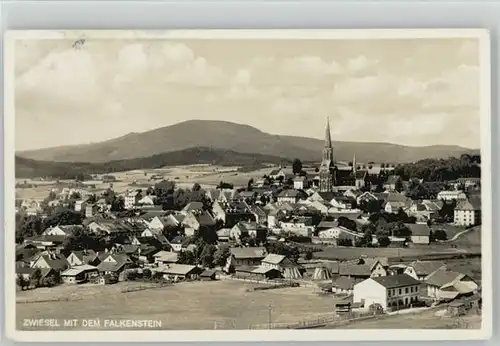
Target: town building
[(392, 292), (467, 212), (452, 195)]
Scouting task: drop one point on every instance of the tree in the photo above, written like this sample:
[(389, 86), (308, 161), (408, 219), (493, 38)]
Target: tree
[(344, 242), (382, 165), (35, 277), (196, 187), (350, 163), (221, 256), (383, 241), (370, 166), (21, 281), (316, 169), (297, 166), (146, 274), (52, 279), (118, 204), (440, 235), (347, 223), (398, 186), (130, 275), (186, 257), (207, 256), (250, 185), (308, 255), (52, 196), (224, 185)]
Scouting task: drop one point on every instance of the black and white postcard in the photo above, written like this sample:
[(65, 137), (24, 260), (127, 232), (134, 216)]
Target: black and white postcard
[(254, 185)]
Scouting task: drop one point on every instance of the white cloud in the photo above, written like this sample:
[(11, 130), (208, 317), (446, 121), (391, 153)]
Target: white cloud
[(311, 65), (242, 77), (132, 57), (64, 76)]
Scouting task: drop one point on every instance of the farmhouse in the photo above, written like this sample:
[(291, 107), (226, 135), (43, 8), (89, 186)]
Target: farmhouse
[(363, 269), (51, 261), (165, 257), (391, 292), (420, 233), (343, 285), (445, 285), (114, 264), (78, 258), (180, 271), (278, 262), (246, 256), (79, 274), (59, 230), (290, 196), (421, 269)]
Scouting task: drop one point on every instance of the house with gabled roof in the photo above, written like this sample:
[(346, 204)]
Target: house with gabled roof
[(363, 268), (246, 256), (78, 258), (421, 269), (51, 261), (446, 285), (114, 264), (62, 230), (420, 233), (279, 262), (289, 196), (192, 207), (164, 257)]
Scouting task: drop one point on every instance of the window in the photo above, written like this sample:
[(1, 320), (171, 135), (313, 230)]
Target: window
[(411, 289), (389, 293), (407, 290), (416, 289), (400, 291)]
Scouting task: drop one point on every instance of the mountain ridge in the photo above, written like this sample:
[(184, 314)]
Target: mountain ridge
[(244, 139)]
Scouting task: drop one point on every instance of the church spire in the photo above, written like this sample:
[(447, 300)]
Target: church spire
[(354, 164), (328, 137)]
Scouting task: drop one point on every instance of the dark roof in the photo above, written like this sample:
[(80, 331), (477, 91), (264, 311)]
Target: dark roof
[(442, 277), (361, 174), (392, 179), (55, 262), (418, 229), (193, 206), (288, 193), (424, 268), (327, 196), (248, 252), (396, 281), (208, 273), (473, 203), (205, 219), (344, 283)]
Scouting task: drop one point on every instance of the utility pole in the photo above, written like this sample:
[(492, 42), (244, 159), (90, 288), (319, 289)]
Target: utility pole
[(269, 309)]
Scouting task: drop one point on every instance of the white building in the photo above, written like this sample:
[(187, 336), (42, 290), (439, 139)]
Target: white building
[(451, 195), (391, 292), (131, 199), (445, 285), (467, 213)]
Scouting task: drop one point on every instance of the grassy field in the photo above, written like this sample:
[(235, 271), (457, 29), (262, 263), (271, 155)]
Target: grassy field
[(208, 176), (430, 319), (431, 251), (195, 305)]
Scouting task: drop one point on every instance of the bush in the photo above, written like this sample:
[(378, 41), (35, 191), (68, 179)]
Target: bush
[(440, 235)]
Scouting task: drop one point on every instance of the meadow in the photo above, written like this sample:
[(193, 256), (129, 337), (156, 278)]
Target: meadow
[(191, 305)]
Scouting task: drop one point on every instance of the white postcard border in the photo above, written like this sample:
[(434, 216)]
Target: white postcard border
[(247, 335)]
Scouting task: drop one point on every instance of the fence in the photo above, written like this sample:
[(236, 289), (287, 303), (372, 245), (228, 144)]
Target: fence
[(319, 321)]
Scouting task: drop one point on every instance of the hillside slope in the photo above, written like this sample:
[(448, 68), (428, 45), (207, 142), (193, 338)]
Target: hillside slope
[(236, 137), (29, 168)]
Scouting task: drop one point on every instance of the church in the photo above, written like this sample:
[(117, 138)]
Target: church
[(331, 176)]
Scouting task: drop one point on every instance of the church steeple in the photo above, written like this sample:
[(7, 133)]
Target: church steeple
[(326, 176), (354, 164), (328, 136)]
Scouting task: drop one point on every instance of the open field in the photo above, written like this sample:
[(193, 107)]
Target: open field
[(208, 176), (190, 305), (397, 254), (431, 319)]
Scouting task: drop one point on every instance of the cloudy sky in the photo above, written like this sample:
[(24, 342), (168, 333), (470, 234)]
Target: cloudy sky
[(412, 92)]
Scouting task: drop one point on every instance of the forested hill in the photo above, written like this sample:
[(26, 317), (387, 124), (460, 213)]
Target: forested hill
[(28, 168)]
